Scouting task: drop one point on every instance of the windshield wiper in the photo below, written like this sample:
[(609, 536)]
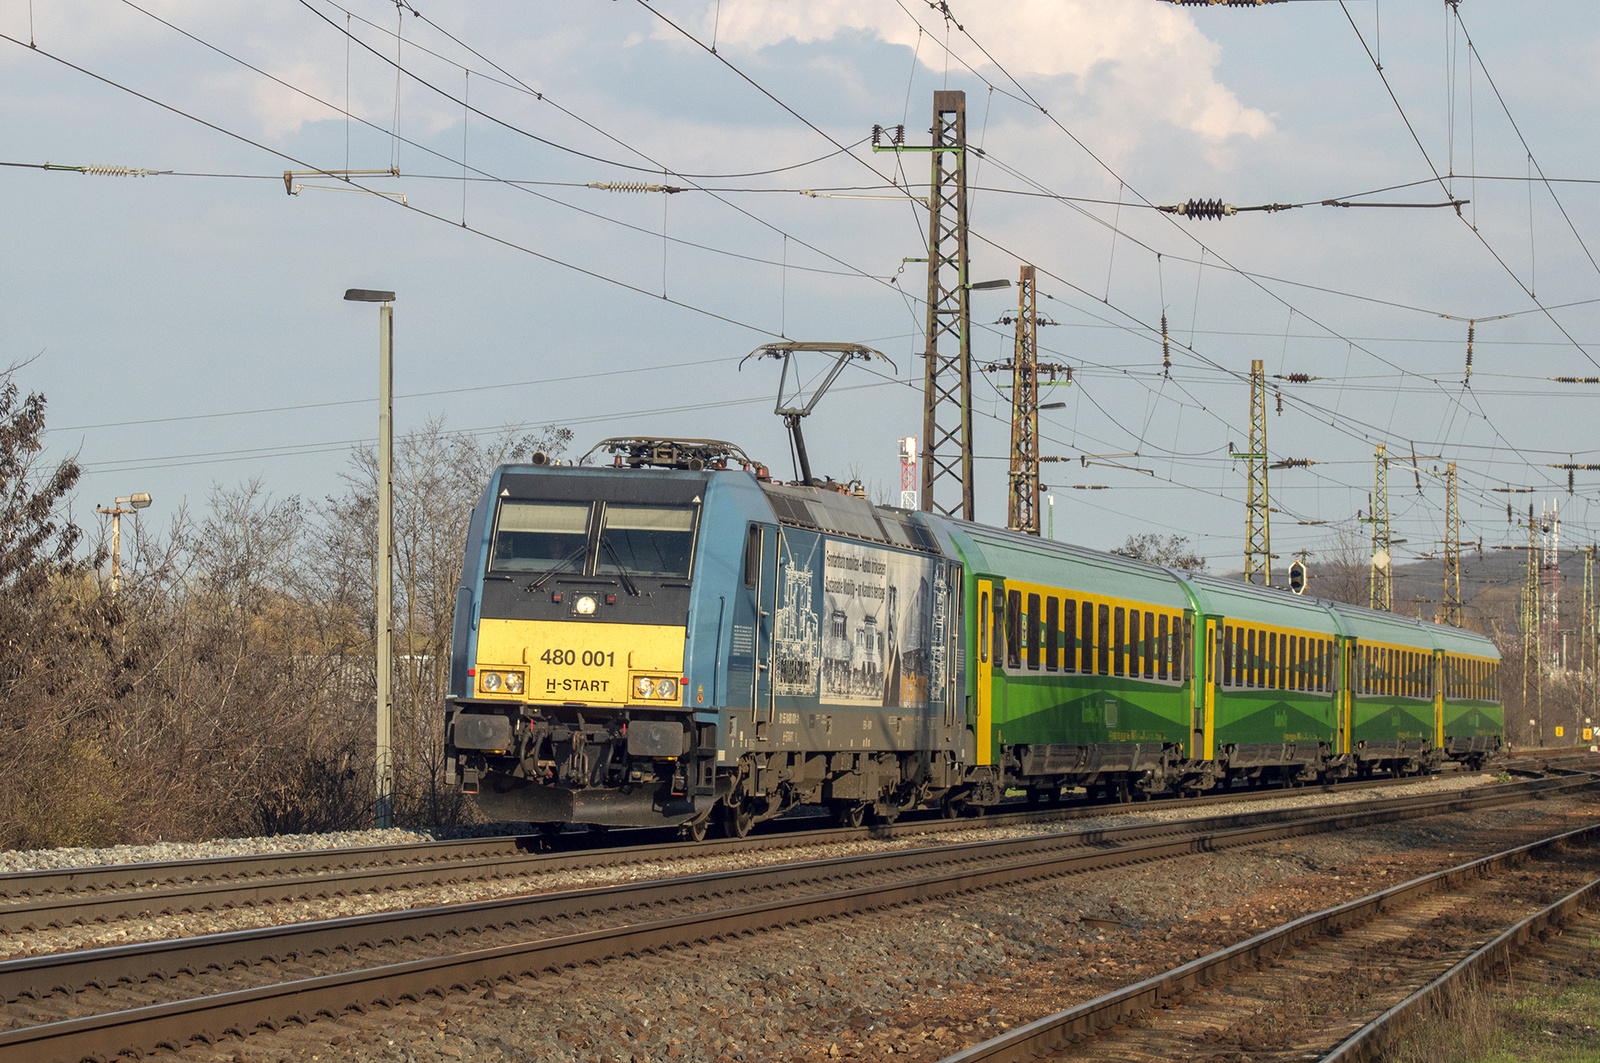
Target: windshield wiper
[(621, 571), (565, 562)]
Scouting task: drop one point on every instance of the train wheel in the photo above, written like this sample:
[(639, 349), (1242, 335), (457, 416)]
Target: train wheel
[(1123, 794), (948, 809), (550, 830), (695, 830), (850, 815), (737, 820)]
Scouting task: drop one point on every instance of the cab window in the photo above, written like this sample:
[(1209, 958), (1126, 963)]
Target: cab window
[(646, 540), (540, 536)]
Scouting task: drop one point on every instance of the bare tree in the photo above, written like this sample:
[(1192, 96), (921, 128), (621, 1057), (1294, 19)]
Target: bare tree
[(1173, 551)]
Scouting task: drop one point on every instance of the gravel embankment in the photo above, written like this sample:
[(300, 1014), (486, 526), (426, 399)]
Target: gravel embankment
[(915, 983)]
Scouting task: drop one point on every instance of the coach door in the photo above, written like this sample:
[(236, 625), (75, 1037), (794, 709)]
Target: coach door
[(1438, 698), (765, 562), (991, 640), (1205, 683), (1346, 695)]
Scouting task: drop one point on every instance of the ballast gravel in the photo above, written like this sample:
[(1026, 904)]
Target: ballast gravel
[(917, 983)]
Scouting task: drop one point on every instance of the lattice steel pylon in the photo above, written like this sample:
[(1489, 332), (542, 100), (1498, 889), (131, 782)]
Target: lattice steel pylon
[(1257, 519), (1022, 514), (1532, 608), (1586, 646), (947, 356), (1381, 589), (1452, 549)]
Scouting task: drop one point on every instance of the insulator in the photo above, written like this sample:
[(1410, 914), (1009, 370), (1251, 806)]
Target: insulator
[(1569, 481), (1509, 517), (1471, 330), (631, 186), (1299, 378), (115, 171), (1279, 396), (1166, 348), (877, 135), (1205, 208), (900, 134)]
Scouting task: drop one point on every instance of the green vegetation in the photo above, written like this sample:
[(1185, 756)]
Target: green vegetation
[(1545, 1027)]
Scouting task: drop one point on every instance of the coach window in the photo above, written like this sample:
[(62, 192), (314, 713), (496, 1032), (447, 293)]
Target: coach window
[(1133, 642), (1103, 647), (1120, 645), (983, 627), (1247, 653), (1148, 654), (1069, 635), (1033, 632), (1304, 671), (1014, 629), (1086, 634), (1274, 664), (1052, 634), (1162, 651)]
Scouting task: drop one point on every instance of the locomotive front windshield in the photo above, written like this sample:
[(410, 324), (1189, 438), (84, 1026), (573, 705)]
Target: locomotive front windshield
[(642, 540), (540, 536), (634, 540)]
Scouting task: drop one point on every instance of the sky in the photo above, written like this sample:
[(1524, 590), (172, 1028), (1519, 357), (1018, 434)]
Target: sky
[(185, 320)]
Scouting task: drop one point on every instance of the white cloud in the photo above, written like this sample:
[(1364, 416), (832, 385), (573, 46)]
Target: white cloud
[(1143, 59)]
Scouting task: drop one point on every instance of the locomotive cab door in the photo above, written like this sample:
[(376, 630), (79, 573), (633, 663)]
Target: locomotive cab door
[(762, 557)]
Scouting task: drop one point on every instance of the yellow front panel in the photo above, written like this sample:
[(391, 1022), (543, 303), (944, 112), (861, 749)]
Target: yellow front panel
[(579, 661)]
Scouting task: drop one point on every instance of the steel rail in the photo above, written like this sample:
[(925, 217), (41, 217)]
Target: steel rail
[(1482, 964), (65, 880), (83, 895), (37, 976), (239, 1012), (1086, 1020)]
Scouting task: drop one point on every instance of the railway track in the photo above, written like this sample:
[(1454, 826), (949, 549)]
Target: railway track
[(1307, 989), (103, 1002), (33, 900)]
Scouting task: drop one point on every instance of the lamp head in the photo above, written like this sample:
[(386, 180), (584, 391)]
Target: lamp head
[(138, 501), (365, 295)]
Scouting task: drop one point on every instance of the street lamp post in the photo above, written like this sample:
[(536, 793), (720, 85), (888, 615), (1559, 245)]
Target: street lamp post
[(116, 513), (383, 760)]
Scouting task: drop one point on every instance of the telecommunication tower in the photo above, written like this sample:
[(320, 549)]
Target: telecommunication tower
[(1257, 522), (908, 472)]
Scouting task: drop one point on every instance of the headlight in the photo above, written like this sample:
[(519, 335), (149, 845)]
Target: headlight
[(491, 681), (584, 606), (666, 688), (513, 682), (643, 687)]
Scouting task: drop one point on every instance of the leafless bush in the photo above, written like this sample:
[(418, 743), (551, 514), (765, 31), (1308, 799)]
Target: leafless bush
[(228, 687)]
